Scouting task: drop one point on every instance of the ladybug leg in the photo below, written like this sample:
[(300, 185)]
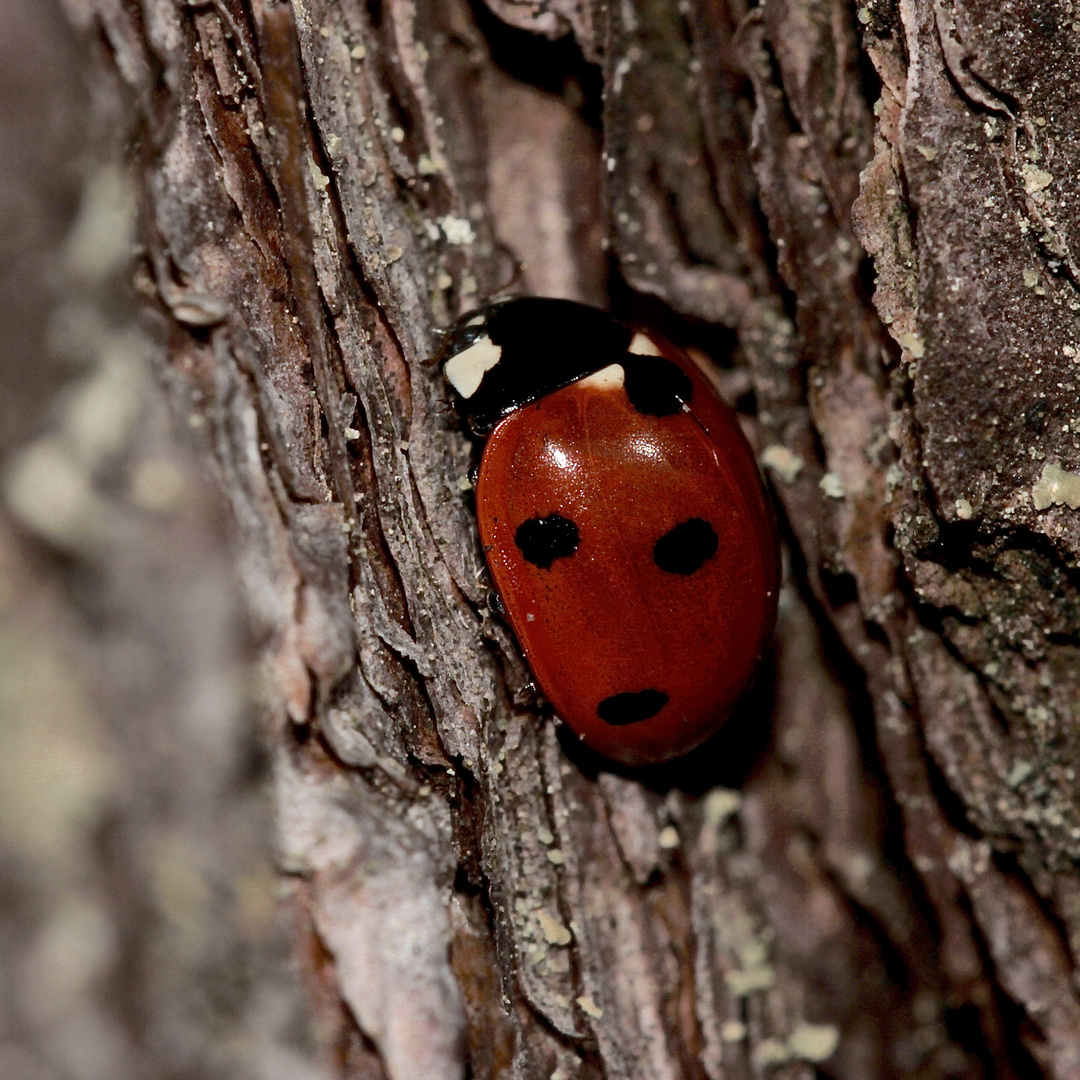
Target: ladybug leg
[(528, 696)]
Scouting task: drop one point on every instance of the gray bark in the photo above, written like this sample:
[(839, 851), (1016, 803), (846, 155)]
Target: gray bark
[(872, 870)]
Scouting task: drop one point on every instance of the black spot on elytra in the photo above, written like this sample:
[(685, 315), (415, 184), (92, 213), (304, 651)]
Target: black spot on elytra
[(543, 540), (655, 385), (686, 548), (631, 707)]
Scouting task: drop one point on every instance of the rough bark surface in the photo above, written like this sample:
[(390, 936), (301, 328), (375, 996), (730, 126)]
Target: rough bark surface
[(872, 870), (140, 934)]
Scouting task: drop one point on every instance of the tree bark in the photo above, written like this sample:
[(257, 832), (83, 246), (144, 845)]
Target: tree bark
[(867, 218)]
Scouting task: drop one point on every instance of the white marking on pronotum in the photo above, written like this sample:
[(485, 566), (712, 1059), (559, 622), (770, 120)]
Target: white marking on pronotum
[(465, 372), (611, 377), (643, 345)]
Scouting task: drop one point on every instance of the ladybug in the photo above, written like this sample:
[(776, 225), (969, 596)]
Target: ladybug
[(623, 520)]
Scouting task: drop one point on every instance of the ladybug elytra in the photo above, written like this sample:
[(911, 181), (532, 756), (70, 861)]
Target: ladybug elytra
[(623, 520)]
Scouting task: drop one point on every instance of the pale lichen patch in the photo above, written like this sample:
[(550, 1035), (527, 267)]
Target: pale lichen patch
[(1019, 773), (1035, 179), (733, 1031), (813, 1042), (590, 1007), (770, 1053), (1056, 487), (457, 230), (720, 804), (782, 461), (318, 177), (554, 932), (750, 980), (668, 838), (832, 486), (913, 344)]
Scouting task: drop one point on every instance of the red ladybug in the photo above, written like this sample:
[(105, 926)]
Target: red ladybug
[(623, 520)]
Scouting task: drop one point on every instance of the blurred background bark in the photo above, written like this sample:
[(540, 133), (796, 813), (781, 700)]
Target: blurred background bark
[(140, 928), (865, 216)]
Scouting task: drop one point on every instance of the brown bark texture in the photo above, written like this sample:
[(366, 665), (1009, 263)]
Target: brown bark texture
[(139, 932), (868, 218)]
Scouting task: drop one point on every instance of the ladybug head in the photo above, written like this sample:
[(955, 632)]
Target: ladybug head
[(506, 355)]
